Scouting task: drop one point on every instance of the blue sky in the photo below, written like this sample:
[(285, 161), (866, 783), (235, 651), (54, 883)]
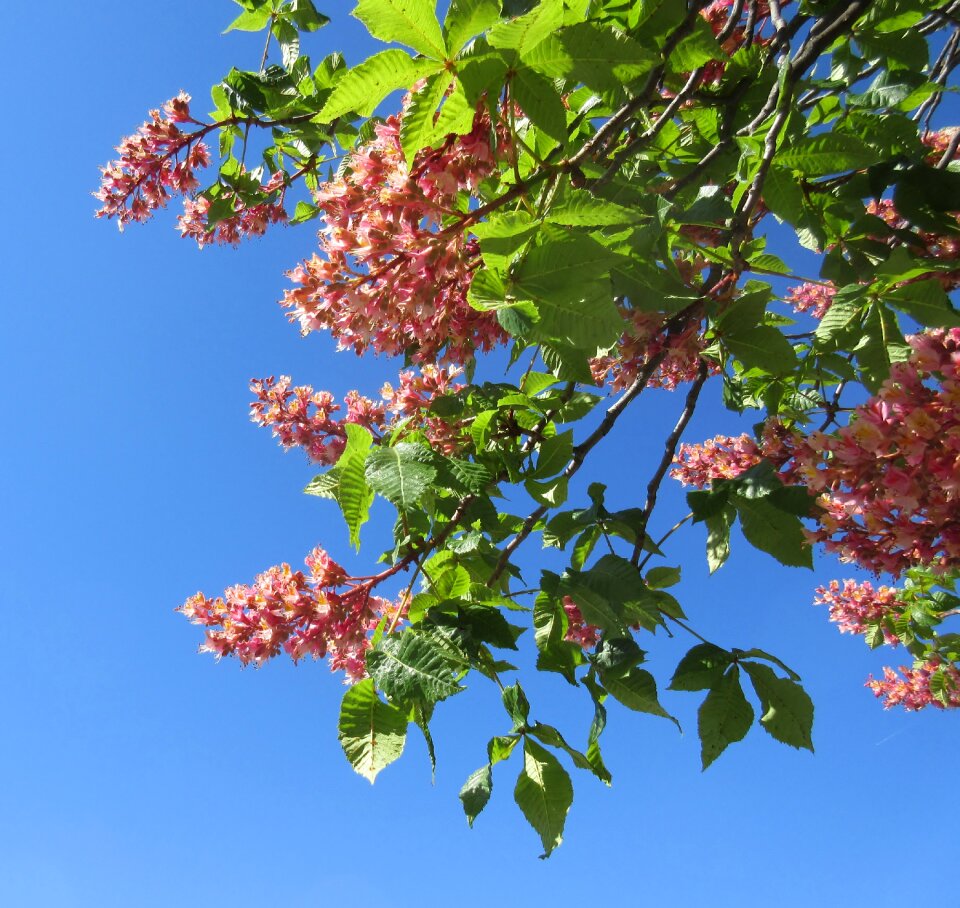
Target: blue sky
[(138, 773)]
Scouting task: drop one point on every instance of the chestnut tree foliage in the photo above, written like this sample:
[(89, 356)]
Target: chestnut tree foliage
[(591, 185)]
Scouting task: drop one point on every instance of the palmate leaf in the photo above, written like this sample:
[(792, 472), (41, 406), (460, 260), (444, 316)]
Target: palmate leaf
[(544, 793), (362, 88), (409, 668), (372, 733), (410, 22), (774, 531), (401, 473)]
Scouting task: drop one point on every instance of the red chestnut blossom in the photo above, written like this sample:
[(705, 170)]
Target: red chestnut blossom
[(392, 276), (247, 221), (412, 400), (299, 417), (812, 298), (644, 338), (856, 607), (940, 247), (912, 690), (890, 480), (155, 162), (326, 615), (939, 142), (578, 631), (722, 457)]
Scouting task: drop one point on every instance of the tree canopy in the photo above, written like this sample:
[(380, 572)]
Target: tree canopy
[(594, 187)]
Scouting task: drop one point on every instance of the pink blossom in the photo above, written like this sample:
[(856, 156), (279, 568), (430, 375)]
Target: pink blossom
[(578, 631), (283, 611), (812, 298), (156, 162), (722, 457), (856, 607), (391, 275), (911, 689)]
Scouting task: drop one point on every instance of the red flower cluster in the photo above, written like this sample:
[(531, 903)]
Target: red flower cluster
[(155, 162), (912, 688), (890, 480), (325, 614), (722, 457), (940, 247), (301, 417), (391, 276), (813, 298), (584, 635), (856, 607), (245, 222), (644, 339)]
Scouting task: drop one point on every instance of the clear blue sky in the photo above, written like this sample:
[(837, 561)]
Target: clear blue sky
[(136, 773)]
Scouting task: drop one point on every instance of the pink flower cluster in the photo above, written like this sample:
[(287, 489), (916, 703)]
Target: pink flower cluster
[(722, 457), (856, 607), (911, 688), (392, 276), (246, 221), (889, 481), (584, 635), (939, 247), (302, 417), (645, 338), (155, 162), (412, 400), (323, 614), (938, 143), (812, 298)]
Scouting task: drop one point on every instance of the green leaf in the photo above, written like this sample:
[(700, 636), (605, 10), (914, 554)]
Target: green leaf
[(252, 20), (306, 16), (701, 668), (637, 690), (787, 709), (660, 578), (540, 101), (544, 793), (600, 57), (724, 717), (775, 532), (324, 486), (353, 494), (828, 153), (467, 18), (477, 789), (762, 347), (926, 302), (568, 280), (517, 706), (367, 84), (410, 22), (409, 668), (372, 733), (416, 128), (696, 49), (525, 32), (550, 736), (579, 208), (401, 473), (718, 537)]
